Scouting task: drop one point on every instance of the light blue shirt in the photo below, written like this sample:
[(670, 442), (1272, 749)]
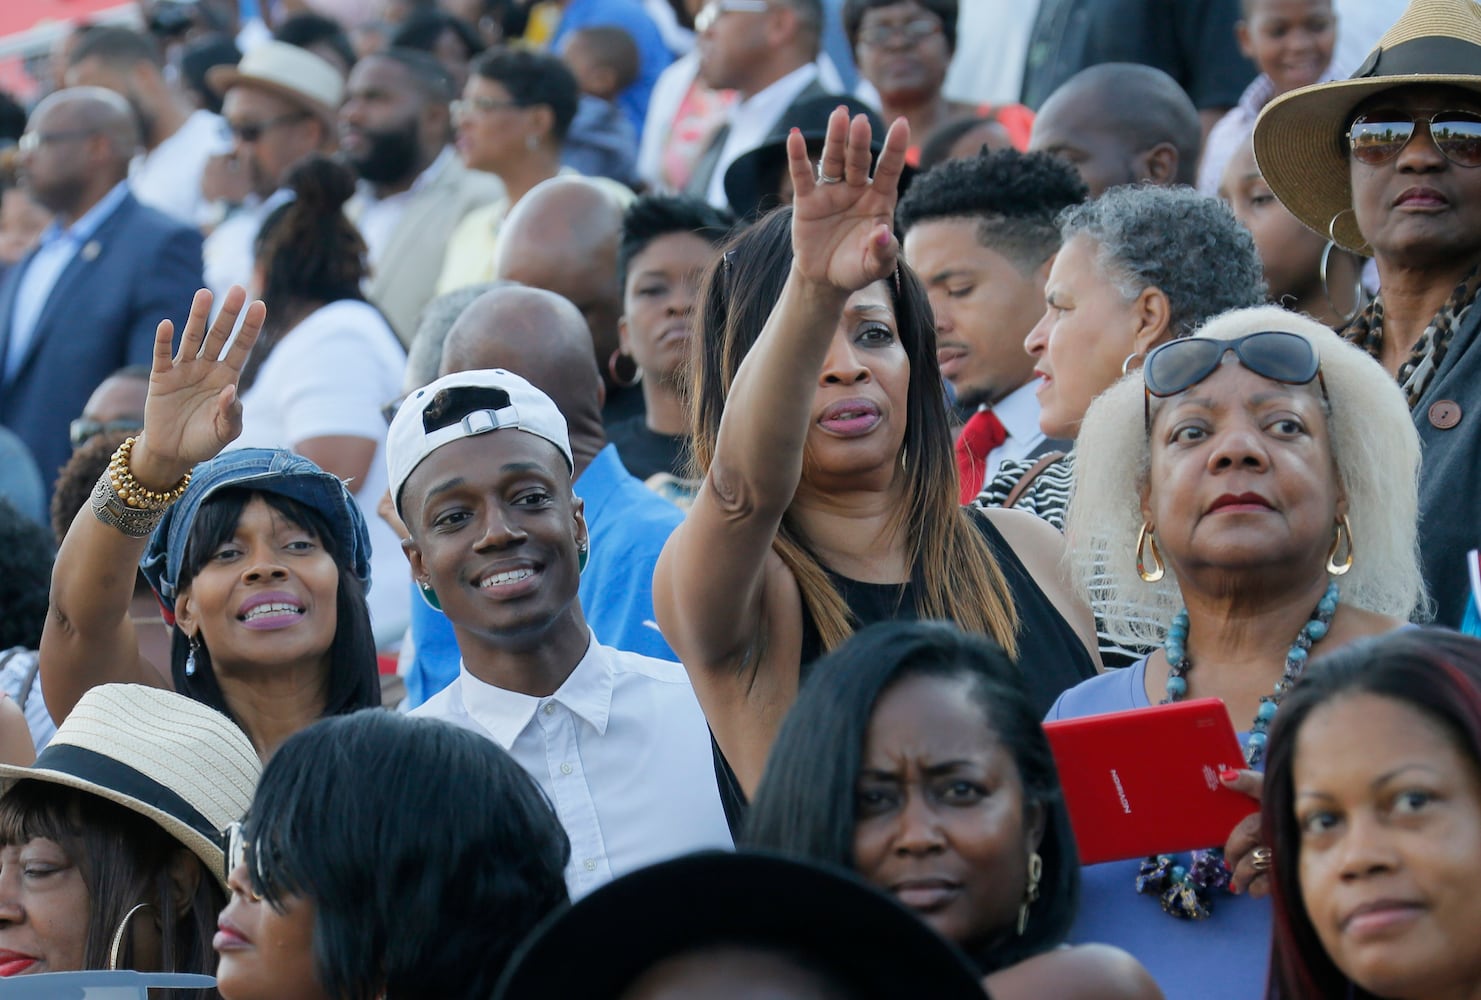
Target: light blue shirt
[(58, 247)]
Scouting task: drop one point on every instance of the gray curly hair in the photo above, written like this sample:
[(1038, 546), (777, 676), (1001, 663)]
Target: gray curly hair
[(1172, 238), (1374, 446)]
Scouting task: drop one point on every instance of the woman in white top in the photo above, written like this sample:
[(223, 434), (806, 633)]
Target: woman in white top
[(327, 362)]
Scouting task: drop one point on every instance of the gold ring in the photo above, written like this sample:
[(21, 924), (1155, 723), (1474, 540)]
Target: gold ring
[(1261, 859)]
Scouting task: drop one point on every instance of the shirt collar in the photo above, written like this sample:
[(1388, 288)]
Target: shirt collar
[(587, 693), (1019, 411), (427, 176), (776, 96), (89, 222)]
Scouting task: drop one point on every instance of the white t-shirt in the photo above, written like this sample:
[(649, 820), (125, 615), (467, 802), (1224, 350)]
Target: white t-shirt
[(330, 376), (169, 177)]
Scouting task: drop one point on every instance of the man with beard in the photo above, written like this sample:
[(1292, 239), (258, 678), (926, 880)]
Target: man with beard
[(177, 141), (394, 128), (87, 300)]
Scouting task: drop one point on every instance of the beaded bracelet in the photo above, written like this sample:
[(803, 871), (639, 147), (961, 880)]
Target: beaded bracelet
[(131, 491)]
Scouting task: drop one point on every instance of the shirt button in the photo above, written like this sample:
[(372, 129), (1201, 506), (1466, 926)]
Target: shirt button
[(591, 864), (565, 769), (550, 708)]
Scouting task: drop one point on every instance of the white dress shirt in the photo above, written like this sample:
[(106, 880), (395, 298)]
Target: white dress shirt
[(1019, 413), (752, 120), (621, 750)]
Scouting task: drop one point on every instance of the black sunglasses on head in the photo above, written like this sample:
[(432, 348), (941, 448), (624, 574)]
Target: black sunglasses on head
[(1178, 365)]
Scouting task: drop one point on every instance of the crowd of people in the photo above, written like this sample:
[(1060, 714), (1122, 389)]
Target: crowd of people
[(624, 499)]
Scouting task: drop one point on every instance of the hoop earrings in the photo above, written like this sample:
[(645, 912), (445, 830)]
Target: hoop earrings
[(117, 941), (1359, 293), (1344, 527), (1145, 539), (1126, 365), (1332, 225), (616, 362), (1030, 891), (196, 646)]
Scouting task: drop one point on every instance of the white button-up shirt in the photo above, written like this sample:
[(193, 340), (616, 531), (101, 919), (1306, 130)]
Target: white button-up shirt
[(752, 120), (1019, 412), (621, 750)]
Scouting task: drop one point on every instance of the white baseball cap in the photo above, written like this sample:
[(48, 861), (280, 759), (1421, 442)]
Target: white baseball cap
[(420, 428)]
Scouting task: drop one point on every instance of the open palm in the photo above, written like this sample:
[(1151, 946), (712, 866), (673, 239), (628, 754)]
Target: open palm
[(842, 218), (192, 411)]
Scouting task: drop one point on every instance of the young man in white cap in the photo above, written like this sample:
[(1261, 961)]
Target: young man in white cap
[(498, 539), (281, 103)]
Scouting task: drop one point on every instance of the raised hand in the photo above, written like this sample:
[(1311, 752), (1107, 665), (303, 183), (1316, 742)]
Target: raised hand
[(842, 219), (192, 411)]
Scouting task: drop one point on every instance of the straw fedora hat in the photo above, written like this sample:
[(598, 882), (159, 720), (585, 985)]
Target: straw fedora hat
[(292, 73), (1299, 141), (170, 758)]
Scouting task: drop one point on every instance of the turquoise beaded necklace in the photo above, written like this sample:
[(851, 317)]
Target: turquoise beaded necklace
[(1186, 893)]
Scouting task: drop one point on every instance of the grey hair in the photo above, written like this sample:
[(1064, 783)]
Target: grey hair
[(437, 318), (1374, 447), (1176, 240)]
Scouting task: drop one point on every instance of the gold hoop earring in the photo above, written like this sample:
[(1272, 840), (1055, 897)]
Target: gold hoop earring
[(1359, 293), (117, 941), (1147, 538), (1344, 527), (1031, 891)]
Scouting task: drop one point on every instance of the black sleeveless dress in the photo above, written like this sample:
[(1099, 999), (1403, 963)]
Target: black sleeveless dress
[(1051, 656)]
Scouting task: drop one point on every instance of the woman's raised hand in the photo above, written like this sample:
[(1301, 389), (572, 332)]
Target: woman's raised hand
[(843, 219), (192, 411)]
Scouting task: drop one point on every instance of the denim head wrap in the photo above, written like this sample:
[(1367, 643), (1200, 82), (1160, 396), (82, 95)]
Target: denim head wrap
[(259, 470)]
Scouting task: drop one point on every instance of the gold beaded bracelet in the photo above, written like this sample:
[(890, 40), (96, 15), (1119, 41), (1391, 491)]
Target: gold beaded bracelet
[(131, 491)]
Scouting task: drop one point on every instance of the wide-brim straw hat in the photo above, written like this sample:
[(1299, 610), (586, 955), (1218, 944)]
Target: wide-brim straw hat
[(167, 757), (1299, 141), (292, 73)]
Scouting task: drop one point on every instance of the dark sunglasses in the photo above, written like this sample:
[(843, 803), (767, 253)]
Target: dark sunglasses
[(82, 430), (1178, 365), (1378, 136), (239, 853)]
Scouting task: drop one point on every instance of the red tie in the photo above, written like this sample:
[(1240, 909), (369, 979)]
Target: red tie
[(981, 434)]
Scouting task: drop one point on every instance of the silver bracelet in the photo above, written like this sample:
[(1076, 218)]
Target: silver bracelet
[(111, 509)]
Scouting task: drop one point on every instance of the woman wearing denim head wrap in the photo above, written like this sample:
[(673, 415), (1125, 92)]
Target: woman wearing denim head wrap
[(259, 557)]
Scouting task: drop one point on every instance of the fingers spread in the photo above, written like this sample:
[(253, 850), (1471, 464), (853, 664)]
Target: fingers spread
[(164, 335), (835, 144), (236, 354), (226, 320), (195, 325), (798, 165), (857, 156), (892, 158)]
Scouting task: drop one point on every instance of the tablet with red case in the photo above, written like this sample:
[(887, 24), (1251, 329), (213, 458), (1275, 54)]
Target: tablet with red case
[(1146, 781)]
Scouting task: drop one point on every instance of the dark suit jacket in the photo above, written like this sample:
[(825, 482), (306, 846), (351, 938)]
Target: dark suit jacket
[(139, 267), (704, 169)]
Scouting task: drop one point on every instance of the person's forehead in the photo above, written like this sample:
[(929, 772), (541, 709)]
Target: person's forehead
[(246, 99), (380, 73)]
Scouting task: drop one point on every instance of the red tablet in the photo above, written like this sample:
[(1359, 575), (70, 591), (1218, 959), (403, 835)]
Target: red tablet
[(1146, 781)]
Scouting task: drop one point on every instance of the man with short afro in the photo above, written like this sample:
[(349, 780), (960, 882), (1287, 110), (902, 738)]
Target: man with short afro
[(981, 233)]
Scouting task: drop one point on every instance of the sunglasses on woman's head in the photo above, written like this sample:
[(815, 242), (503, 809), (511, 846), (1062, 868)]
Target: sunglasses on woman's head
[(1376, 137), (1179, 365)]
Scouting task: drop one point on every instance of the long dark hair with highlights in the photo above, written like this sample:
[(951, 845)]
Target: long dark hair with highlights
[(124, 859), (807, 805), (354, 680), (957, 577), (1434, 671)]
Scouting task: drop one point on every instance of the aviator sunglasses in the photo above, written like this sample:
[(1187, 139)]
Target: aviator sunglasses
[(1377, 136), (1178, 365)]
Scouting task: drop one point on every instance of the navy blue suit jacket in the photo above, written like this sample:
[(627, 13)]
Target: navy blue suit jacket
[(139, 267)]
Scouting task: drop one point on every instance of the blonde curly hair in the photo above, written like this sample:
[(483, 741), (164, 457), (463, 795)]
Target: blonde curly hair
[(1374, 446)]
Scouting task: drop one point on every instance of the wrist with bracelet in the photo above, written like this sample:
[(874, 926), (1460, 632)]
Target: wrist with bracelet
[(121, 501)]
